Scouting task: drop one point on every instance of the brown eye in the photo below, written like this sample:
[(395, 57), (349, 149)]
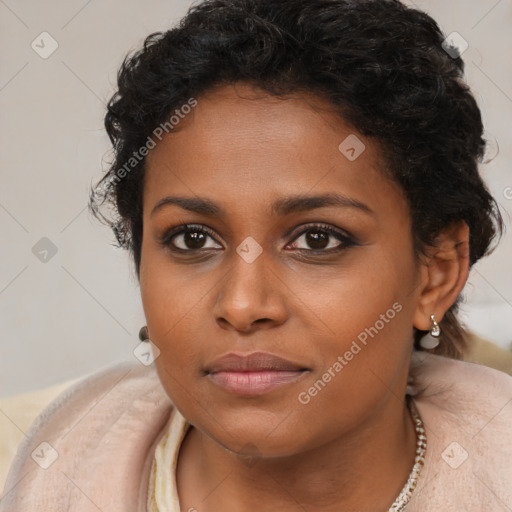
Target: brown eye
[(194, 239), (321, 238), (190, 238), (317, 239)]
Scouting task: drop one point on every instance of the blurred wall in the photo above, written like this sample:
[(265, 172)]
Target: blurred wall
[(69, 300)]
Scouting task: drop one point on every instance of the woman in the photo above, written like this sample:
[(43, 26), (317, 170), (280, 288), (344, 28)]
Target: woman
[(297, 183)]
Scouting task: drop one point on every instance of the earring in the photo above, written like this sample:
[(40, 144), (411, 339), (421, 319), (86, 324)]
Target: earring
[(143, 333), (431, 339)]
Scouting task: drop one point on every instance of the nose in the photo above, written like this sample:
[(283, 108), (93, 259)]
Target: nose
[(250, 297)]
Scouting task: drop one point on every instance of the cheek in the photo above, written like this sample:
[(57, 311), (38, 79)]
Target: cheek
[(170, 294), (368, 309), (363, 364), (172, 303), (365, 294)]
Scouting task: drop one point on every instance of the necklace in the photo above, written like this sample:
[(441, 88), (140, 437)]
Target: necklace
[(421, 445)]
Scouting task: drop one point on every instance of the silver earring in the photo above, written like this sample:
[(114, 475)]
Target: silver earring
[(143, 333), (431, 339)]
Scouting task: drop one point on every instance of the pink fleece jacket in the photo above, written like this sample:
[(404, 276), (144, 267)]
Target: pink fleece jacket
[(92, 448)]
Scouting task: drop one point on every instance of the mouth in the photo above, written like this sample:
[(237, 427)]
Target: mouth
[(253, 374)]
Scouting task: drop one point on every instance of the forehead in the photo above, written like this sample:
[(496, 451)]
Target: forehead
[(241, 144)]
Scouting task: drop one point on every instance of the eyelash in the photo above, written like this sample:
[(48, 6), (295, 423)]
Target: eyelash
[(344, 239)]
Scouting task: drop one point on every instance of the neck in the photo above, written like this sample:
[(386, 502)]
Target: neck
[(365, 469)]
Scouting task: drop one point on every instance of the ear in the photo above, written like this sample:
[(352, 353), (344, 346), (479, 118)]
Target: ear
[(443, 274)]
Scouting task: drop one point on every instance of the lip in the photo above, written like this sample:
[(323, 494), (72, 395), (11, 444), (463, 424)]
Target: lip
[(253, 374)]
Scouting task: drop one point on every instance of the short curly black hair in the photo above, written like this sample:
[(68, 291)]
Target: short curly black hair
[(380, 64)]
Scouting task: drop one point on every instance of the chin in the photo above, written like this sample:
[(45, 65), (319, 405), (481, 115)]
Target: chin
[(256, 433)]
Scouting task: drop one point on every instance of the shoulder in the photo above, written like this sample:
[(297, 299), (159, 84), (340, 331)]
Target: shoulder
[(456, 380), (470, 393), (99, 430), (467, 412)]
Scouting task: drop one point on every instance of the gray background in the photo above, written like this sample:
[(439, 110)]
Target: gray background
[(81, 309)]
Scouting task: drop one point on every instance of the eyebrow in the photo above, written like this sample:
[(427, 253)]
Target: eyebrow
[(281, 207)]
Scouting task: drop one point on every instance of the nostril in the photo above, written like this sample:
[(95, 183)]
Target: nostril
[(260, 320)]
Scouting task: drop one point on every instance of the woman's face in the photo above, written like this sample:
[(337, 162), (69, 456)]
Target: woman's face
[(299, 249)]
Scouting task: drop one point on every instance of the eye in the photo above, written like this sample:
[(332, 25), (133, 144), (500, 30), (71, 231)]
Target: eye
[(322, 238), (319, 238), (190, 237)]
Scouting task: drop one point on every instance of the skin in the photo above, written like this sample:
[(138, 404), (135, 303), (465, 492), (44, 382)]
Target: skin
[(352, 446)]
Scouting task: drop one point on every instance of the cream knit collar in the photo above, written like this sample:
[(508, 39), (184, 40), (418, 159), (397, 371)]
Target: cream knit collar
[(162, 492)]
